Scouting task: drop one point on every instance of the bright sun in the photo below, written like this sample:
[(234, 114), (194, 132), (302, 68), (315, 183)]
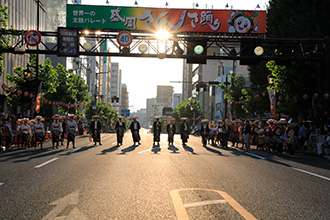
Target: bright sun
[(163, 34)]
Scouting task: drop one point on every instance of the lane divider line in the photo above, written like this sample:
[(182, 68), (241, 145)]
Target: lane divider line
[(45, 163), (257, 156), (310, 173), (213, 202)]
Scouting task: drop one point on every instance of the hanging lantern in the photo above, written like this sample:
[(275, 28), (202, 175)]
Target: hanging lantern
[(49, 102), (46, 101), (316, 95), (60, 103), (12, 90), (31, 95), (41, 99), (235, 102), (263, 94), (280, 98), (26, 93), (326, 95), (54, 103), (305, 97), (257, 96), (19, 92), (287, 98), (4, 86)]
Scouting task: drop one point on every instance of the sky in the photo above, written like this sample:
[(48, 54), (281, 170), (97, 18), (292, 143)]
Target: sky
[(142, 75)]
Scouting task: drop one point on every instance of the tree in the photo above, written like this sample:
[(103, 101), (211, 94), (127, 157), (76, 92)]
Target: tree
[(297, 19), (24, 79), (57, 85), (187, 109), (108, 114)]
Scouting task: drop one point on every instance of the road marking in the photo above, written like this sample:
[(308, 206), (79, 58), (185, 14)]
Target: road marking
[(60, 204), (70, 152), (47, 162), (257, 156), (180, 208), (1, 184), (313, 174), (213, 202)]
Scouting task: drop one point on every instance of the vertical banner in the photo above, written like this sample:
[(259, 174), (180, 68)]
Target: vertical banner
[(272, 100), (38, 99)]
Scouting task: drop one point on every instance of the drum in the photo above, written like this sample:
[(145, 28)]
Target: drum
[(278, 131), (261, 140)]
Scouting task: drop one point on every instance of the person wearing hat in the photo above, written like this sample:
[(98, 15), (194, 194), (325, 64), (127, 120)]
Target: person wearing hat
[(25, 133), (56, 130), (63, 121), (184, 131), (205, 130), (39, 132), (135, 129), (7, 132), (247, 135), (157, 127), (120, 130), (95, 129), (170, 129), (71, 131)]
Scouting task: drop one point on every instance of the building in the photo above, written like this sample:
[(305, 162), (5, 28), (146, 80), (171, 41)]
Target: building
[(176, 99), (124, 99), (22, 16), (115, 85), (211, 96), (164, 95), (142, 116)]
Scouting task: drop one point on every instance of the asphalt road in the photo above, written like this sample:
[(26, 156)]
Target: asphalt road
[(146, 182)]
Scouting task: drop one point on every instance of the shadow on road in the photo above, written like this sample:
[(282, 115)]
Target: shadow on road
[(109, 150), (128, 149), (213, 150), (37, 154), (155, 149), (189, 149), (173, 149)]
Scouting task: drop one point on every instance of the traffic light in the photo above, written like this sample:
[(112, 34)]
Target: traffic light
[(247, 52), (196, 51)]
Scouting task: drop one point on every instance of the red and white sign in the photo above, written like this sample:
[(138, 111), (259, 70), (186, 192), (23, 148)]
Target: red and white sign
[(124, 38), (32, 38)]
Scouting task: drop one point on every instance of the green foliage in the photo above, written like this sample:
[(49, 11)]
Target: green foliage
[(235, 92), (57, 85), (108, 114), (187, 109)]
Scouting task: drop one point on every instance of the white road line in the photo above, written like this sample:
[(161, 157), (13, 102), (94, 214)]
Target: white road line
[(75, 150), (213, 202), (47, 162), (257, 156), (313, 174), (1, 184)]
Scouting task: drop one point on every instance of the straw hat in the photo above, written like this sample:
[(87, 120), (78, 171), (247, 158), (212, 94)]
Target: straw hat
[(171, 119), (25, 119), (38, 117), (157, 117), (71, 115), (271, 121), (220, 122), (204, 120), (56, 116), (134, 117), (95, 116), (228, 122), (183, 118), (119, 116), (282, 121)]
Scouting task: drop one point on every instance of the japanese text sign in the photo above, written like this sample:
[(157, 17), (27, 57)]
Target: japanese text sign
[(67, 42), (173, 20)]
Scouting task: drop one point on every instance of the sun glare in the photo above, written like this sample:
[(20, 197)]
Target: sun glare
[(163, 35)]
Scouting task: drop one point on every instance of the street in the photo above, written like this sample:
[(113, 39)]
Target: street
[(146, 182)]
